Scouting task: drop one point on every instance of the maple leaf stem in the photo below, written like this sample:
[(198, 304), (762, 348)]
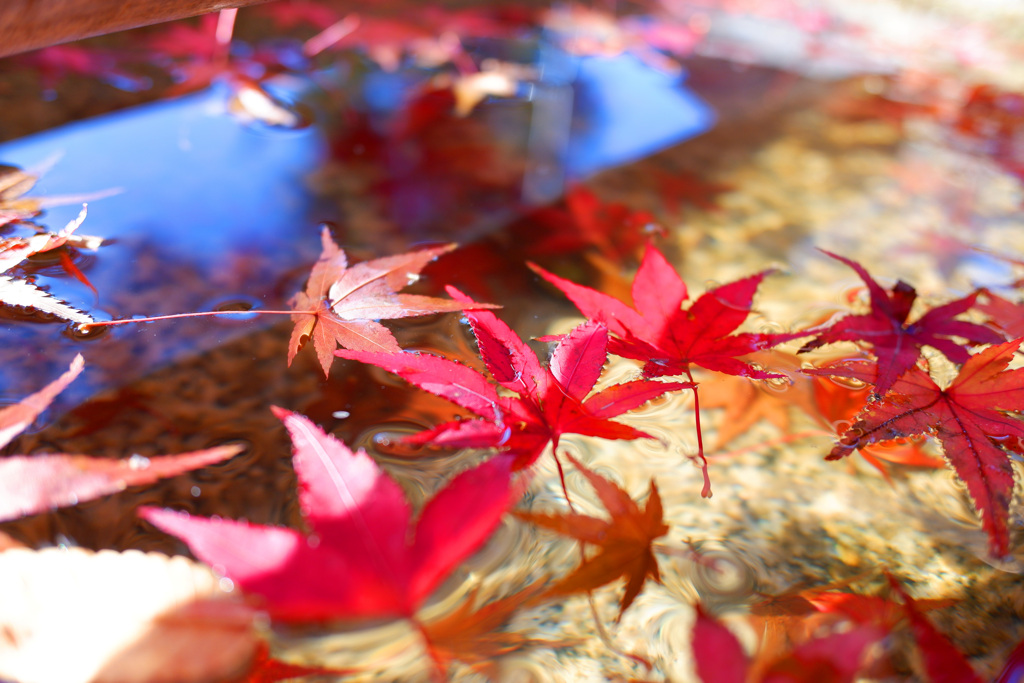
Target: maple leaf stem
[(561, 478), (606, 638), (705, 491), (105, 323)]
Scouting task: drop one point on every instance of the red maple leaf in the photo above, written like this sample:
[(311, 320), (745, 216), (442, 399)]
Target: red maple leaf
[(669, 338), (1006, 314), (839, 402), (342, 303), (942, 660), (969, 418), (666, 337), (895, 342), (549, 402), (624, 542), (365, 557), (16, 418), (30, 484)]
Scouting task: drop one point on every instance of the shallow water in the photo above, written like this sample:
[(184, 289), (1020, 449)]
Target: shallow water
[(216, 210)]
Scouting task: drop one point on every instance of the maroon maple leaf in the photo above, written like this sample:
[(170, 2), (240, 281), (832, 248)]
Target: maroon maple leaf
[(969, 418), (895, 342), (365, 557), (549, 402)]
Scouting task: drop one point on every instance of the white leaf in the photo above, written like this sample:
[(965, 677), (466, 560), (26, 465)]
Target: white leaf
[(75, 616), (26, 295)]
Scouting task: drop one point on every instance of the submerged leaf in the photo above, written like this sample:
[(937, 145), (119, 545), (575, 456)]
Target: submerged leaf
[(14, 419), (472, 634), (30, 484), (624, 542)]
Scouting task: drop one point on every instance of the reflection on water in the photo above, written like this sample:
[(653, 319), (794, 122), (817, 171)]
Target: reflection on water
[(222, 194)]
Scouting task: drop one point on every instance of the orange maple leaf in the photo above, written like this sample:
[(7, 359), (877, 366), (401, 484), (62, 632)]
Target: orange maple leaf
[(342, 303), (473, 635), (747, 402), (624, 542)]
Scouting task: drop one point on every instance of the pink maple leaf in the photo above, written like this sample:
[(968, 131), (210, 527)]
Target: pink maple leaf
[(365, 557)]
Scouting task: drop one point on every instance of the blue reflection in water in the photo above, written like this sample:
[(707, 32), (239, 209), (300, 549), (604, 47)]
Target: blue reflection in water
[(203, 192), (195, 180), (629, 110), (204, 197), (593, 113)]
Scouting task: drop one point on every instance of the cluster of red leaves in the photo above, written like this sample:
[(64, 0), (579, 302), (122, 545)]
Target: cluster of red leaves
[(548, 402), (970, 416), (357, 515), (365, 558)]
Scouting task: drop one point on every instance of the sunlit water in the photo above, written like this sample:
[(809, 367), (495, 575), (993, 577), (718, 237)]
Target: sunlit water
[(216, 211)]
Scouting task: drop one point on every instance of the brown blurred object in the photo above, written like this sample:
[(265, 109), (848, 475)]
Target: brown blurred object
[(31, 24)]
